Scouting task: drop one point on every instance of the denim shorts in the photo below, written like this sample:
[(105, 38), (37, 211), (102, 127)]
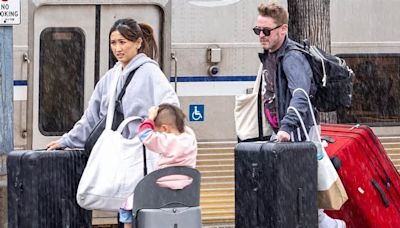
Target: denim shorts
[(125, 216)]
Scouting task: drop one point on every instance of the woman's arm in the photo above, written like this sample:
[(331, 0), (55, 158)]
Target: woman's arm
[(163, 91), (149, 87), (77, 136)]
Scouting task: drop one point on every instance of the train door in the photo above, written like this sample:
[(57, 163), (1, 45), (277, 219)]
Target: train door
[(63, 72), (71, 52), (149, 14)]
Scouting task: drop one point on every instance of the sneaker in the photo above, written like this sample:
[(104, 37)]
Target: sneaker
[(324, 221), (340, 223)]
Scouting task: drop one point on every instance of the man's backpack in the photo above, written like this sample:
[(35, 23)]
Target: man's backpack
[(332, 78)]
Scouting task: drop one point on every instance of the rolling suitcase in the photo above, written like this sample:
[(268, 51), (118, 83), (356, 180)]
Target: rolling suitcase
[(42, 189), (276, 185), (370, 178)]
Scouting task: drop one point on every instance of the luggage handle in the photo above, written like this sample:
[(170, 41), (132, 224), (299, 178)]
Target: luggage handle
[(164, 197), (381, 193)]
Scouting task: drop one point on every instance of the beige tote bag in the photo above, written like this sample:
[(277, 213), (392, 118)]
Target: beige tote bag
[(248, 109)]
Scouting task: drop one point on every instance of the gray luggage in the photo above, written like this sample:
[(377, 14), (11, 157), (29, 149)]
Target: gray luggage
[(155, 206)]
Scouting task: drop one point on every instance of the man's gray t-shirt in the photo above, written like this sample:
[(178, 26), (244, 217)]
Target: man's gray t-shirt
[(268, 89)]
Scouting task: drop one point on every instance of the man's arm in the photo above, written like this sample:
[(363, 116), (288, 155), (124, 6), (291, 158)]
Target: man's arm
[(299, 74)]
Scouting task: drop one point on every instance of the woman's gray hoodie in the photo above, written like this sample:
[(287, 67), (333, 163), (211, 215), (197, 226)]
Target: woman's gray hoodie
[(149, 87)]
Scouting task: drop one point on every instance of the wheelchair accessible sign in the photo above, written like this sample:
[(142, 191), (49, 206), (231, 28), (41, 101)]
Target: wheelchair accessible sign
[(196, 112)]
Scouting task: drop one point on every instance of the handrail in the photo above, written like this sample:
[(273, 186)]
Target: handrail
[(175, 59)]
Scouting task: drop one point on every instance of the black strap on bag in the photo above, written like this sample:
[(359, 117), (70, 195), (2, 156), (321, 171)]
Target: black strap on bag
[(117, 119), (121, 225), (118, 102), (144, 161), (118, 113), (260, 112), (260, 108)]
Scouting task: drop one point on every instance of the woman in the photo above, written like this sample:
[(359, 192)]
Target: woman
[(131, 44)]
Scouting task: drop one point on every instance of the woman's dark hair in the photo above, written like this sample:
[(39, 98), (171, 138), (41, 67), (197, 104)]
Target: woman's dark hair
[(171, 115), (132, 31)]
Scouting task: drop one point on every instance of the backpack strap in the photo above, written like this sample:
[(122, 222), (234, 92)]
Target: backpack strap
[(305, 49), (298, 47)]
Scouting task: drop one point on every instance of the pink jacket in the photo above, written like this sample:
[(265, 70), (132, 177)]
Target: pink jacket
[(174, 150)]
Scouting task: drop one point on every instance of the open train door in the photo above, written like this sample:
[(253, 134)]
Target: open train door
[(71, 52)]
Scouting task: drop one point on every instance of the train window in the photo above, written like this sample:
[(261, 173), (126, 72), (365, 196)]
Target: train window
[(376, 90), (61, 79)]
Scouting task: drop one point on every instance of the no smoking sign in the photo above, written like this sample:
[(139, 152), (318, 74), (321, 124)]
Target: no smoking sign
[(10, 12)]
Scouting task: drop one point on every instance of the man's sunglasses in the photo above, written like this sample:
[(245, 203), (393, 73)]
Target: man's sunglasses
[(266, 31)]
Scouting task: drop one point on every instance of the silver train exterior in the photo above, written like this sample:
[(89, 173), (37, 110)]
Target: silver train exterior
[(61, 49), (208, 51)]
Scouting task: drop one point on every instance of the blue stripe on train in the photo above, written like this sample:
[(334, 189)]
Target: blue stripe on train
[(20, 82), (214, 78), (186, 79)]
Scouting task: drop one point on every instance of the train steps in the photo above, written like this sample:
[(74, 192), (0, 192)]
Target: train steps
[(392, 148), (215, 163)]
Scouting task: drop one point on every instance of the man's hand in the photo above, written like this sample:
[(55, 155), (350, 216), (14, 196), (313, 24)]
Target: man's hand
[(153, 111), (282, 136)]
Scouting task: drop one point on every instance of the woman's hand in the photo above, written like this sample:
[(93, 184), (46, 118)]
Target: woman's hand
[(53, 145), (153, 111)]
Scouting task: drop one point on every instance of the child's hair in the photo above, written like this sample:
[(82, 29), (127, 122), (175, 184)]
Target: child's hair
[(170, 115)]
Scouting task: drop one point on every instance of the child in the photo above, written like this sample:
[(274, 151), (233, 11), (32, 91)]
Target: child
[(164, 132)]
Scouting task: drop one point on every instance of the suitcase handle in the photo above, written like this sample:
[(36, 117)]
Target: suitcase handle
[(380, 190)]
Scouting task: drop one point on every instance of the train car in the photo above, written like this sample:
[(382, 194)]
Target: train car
[(209, 53)]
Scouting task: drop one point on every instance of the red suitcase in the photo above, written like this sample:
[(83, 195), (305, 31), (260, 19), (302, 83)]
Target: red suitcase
[(369, 177)]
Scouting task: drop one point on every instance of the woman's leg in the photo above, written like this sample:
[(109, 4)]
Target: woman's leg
[(125, 217), (128, 225)]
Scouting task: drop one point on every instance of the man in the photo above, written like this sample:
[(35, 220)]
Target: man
[(283, 72)]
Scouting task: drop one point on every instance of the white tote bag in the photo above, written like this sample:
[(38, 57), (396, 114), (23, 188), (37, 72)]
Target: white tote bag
[(331, 192), (246, 114), (114, 167)]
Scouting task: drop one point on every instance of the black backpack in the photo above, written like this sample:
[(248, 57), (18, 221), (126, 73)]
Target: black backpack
[(332, 78)]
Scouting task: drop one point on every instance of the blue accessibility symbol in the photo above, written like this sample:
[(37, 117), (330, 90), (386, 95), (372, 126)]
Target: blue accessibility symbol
[(196, 112)]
